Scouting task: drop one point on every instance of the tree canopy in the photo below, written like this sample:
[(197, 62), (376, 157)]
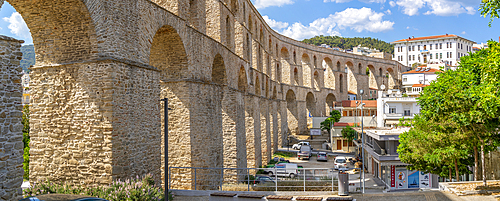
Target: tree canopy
[(349, 43), (334, 117), (459, 111), (491, 8)]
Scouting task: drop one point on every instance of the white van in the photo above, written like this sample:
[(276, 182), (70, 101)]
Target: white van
[(283, 170)]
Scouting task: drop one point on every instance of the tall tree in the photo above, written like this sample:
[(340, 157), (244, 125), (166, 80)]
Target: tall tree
[(491, 8), (463, 105), (349, 134)]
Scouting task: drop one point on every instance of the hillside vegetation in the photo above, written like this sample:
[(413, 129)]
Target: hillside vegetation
[(349, 43), (28, 56)]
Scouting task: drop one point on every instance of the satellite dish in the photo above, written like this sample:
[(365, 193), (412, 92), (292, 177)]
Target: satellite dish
[(382, 87), (389, 91)]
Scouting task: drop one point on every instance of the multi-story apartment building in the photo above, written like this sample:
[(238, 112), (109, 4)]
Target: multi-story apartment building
[(392, 106), (414, 81), (443, 49)]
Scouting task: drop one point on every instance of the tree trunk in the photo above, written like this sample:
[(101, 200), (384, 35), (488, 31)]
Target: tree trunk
[(476, 165), (483, 164), (456, 171), (491, 167), (449, 170)]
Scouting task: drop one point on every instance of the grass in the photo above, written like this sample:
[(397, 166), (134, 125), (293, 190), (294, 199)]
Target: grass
[(285, 155)]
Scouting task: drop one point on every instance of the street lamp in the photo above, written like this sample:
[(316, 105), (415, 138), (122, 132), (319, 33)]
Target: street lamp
[(166, 109), (362, 141)]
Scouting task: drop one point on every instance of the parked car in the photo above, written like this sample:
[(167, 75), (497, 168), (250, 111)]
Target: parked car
[(322, 156), (283, 170), (298, 145), (304, 152), (340, 162), (263, 180), (62, 197)]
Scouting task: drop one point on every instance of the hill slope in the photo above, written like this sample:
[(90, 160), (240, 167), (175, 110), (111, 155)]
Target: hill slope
[(28, 57), (349, 43)]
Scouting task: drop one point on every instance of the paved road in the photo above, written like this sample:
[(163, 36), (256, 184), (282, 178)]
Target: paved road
[(420, 196)]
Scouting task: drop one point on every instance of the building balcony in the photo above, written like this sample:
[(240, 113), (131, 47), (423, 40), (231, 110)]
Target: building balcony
[(399, 115), (380, 154)]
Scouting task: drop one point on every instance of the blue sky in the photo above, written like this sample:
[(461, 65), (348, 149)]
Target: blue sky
[(383, 19), (388, 20)]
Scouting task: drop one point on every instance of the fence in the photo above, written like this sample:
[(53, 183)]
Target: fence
[(253, 179)]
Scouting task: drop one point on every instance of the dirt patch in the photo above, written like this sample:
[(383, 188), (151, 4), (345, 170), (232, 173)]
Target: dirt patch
[(477, 186)]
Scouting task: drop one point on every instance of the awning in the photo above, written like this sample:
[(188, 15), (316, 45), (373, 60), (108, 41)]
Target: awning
[(392, 121)]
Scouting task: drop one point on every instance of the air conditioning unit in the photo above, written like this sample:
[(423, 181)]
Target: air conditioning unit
[(382, 151)]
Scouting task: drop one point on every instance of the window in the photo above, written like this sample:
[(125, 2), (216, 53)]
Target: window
[(447, 55), (437, 56), (430, 56), (413, 57), (430, 47), (418, 58), (446, 45), (440, 45), (440, 55), (407, 112), (413, 47), (346, 70), (405, 79), (418, 47), (409, 58), (425, 47), (392, 110)]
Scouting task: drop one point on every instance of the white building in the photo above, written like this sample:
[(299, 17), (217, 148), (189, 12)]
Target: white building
[(25, 79), (415, 80), (392, 106), (446, 49)]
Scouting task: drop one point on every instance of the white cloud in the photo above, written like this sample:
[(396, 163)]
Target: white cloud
[(463, 33), (17, 25), (259, 4), (373, 1), (364, 19), (388, 12), (392, 3), (275, 24), (345, 1), (437, 7), (407, 27)]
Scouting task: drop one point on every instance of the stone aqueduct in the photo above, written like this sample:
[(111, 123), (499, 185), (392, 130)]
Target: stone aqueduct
[(235, 85)]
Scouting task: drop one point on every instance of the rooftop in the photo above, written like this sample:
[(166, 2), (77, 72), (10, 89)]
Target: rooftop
[(411, 39), (430, 71), (352, 103)]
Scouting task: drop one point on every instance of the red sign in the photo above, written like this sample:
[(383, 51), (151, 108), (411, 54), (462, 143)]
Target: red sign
[(393, 176)]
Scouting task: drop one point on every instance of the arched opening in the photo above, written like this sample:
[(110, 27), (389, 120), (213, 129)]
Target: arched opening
[(352, 82), (242, 80), (268, 65), (330, 75), (259, 58), (315, 63), (292, 114), (317, 82), (330, 103), (249, 48), (262, 36), (257, 86), (267, 87), (270, 44), (391, 79), (250, 24), (380, 72), (310, 108), (306, 71), (277, 52), (168, 55), (341, 83), (294, 57), (287, 71), (278, 73), (338, 66), (296, 76), (360, 69), (373, 83), (228, 32), (219, 71)]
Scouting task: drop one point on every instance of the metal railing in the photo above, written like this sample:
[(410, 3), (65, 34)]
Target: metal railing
[(253, 179)]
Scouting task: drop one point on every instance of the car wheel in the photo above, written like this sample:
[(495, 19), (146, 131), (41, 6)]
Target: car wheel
[(292, 176), (270, 174)]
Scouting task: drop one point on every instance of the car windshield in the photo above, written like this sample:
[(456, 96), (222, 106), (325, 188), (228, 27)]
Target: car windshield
[(305, 148), (322, 155), (340, 161)]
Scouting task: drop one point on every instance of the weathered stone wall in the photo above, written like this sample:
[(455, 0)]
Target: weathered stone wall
[(235, 86), (11, 135)]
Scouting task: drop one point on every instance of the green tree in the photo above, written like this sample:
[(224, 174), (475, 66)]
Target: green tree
[(349, 134), (328, 122), (491, 8), (26, 140), (463, 107)]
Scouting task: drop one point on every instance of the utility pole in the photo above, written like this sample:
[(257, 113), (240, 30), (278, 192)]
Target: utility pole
[(165, 138), (362, 141)]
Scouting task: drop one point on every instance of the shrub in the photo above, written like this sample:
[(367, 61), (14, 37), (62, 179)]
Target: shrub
[(143, 189)]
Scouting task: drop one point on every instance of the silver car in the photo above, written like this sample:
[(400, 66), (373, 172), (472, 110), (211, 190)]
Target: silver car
[(322, 156)]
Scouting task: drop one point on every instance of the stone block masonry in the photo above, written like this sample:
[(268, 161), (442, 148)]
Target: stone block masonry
[(236, 87), (11, 128)]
